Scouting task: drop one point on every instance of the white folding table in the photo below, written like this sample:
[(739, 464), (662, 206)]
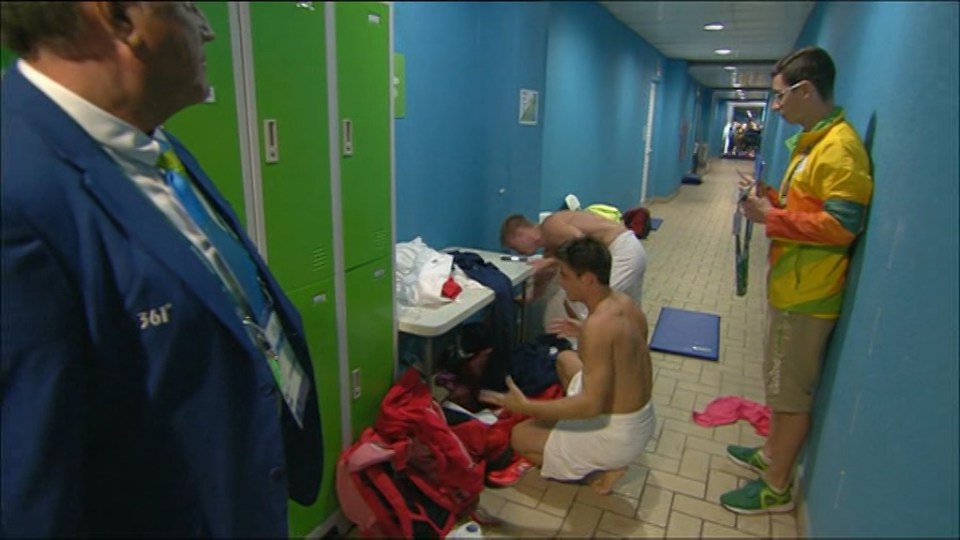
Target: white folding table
[(430, 322)]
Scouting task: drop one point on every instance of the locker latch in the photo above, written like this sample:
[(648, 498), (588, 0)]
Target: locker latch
[(347, 129), (355, 383), (271, 146)]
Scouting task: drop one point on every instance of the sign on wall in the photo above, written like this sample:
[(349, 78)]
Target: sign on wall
[(529, 104)]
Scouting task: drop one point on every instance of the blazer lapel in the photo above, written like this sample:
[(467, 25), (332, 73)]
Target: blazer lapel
[(122, 200), (146, 225)]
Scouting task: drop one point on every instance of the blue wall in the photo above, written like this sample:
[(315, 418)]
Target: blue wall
[(706, 97), (707, 117), (598, 80), (463, 160), (773, 149), (883, 456), (676, 100), (460, 143), (718, 119), (514, 40), (596, 109)]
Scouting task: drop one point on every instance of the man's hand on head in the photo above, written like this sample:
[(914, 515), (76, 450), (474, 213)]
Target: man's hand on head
[(542, 264)]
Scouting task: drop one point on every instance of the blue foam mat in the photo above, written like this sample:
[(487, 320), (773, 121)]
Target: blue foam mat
[(688, 333), (655, 223)]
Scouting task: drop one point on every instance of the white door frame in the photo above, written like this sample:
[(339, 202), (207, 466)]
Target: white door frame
[(648, 141), (241, 47)]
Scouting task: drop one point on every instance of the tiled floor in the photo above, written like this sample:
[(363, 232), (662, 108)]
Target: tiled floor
[(673, 489)]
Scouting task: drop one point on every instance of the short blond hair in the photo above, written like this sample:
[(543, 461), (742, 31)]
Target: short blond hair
[(510, 226)]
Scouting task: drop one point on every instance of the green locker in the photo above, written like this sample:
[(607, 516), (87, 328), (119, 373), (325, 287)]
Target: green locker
[(283, 49), (290, 73), (370, 339), (7, 58), (364, 93), (317, 307), (210, 130)]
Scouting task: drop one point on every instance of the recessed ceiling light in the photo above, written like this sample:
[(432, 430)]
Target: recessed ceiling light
[(723, 52), (713, 26), (730, 68)]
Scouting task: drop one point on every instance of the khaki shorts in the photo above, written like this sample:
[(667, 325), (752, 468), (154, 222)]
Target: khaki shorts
[(794, 349)]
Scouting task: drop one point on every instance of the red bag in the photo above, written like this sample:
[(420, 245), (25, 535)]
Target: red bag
[(638, 220), (410, 475), (384, 501)]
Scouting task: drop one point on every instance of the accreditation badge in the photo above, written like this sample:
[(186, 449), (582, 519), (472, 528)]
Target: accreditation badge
[(289, 376)]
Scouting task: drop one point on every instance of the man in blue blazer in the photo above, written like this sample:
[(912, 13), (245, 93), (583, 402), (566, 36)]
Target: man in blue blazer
[(136, 399)]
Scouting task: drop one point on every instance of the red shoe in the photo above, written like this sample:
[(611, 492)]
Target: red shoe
[(510, 474)]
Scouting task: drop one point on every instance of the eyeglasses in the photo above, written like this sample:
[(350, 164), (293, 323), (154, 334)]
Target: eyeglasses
[(778, 96)]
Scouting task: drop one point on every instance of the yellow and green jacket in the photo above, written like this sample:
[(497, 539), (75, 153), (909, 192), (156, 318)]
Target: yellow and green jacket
[(818, 212)]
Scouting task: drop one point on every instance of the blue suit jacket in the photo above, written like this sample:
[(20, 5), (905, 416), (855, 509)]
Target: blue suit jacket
[(112, 426)]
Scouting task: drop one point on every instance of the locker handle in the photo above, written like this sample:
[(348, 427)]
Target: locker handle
[(378, 273), (347, 134), (355, 383), (271, 143)]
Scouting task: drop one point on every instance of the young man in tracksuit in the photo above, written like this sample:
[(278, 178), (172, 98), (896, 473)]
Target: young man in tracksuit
[(811, 221)]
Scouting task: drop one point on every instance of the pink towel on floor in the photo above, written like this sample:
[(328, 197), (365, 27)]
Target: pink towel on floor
[(729, 409)]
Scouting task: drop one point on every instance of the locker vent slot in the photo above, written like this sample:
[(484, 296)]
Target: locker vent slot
[(320, 259), (381, 239)]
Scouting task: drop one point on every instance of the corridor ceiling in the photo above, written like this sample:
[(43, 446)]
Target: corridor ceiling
[(757, 34)]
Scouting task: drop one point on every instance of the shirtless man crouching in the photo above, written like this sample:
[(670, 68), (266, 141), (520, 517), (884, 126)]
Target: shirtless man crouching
[(606, 418)]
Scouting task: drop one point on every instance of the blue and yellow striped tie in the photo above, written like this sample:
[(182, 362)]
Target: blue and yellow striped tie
[(229, 248)]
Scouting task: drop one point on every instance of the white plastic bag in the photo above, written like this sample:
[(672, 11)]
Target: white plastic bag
[(420, 274), (434, 271)]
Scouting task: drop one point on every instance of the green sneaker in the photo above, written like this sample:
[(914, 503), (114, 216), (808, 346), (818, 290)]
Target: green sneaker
[(757, 497), (751, 458)]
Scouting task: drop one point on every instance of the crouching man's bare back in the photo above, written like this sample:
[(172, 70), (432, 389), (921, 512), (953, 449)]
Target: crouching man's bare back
[(606, 419)]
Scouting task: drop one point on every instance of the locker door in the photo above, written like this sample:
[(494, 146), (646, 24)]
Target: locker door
[(211, 130), (317, 307), (289, 67), (363, 88), (289, 71), (7, 58), (370, 339)]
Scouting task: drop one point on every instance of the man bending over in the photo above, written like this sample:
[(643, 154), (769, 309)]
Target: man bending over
[(629, 261), (606, 418)]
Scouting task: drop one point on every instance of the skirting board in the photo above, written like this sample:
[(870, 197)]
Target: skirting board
[(336, 520)]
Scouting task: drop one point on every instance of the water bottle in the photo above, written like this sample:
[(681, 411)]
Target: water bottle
[(470, 529)]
